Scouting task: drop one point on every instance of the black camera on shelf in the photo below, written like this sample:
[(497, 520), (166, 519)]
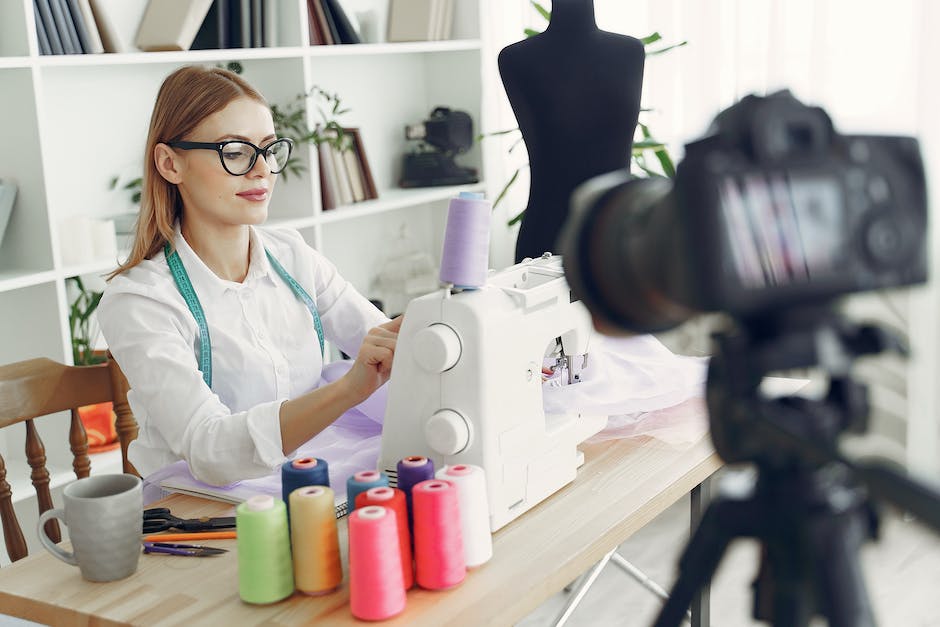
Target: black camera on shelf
[(444, 135), (773, 207)]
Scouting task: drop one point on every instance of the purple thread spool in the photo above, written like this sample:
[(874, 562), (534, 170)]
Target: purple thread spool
[(412, 471), (465, 259)]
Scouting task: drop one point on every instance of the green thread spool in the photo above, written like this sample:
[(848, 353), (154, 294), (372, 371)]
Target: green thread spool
[(265, 570)]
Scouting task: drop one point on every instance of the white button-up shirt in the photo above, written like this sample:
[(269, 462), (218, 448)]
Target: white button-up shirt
[(265, 350)]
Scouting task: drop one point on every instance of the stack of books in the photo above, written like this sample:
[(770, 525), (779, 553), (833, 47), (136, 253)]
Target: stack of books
[(345, 175), (66, 27), (239, 24), (92, 26), (329, 24), (420, 20)]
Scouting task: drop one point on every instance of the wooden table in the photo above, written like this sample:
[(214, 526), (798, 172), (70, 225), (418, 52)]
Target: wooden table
[(622, 486)]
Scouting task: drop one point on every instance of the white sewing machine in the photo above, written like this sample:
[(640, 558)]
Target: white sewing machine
[(467, 379)]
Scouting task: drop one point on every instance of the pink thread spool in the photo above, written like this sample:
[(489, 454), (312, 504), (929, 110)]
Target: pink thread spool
[(439, 556), (393, 499), (376, 588)]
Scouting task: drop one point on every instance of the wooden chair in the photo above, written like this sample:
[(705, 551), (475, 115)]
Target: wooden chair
[(39, 387)]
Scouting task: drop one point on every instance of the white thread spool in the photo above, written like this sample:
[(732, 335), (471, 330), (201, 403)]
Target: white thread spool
[(474, 511)]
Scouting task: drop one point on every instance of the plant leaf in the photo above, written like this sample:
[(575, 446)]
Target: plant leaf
[(651, 38), (531, 32), (517, 219), (651, 53), (506, 187), (542, 10)]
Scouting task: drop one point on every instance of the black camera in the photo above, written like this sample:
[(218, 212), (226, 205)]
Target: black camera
[(771, 208), (444, 135)]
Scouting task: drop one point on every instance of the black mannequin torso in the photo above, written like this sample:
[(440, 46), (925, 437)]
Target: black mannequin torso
[(575, 91)]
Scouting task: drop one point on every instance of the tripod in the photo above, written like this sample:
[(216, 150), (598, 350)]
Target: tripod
[(809, 506)]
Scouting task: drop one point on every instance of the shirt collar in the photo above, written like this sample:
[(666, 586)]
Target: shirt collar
[(206, 281)]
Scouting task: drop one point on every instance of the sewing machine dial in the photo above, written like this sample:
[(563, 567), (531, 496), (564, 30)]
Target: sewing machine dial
[(436, 348), (447, 432)]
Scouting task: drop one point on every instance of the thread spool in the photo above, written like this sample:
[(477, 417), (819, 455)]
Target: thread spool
[(473, 505), (362, 481), (376, 588), (394, 499), (265, 570), (315, 540), (413, 470), (439, 559), (302, 472), (465, 256)]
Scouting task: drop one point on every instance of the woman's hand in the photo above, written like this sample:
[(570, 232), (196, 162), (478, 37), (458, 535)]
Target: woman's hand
[(373, 364)]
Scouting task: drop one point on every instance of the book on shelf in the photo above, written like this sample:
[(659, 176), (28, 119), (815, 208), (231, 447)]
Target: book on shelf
[(329, 22), (320, 33), (342, 176), (118, 21), (84, 19), (344, 28), (328, 182), (270, 34), (368, 182), (171, 24), (355, 174), (45, 46), (212, 34), (420, 20), (63, 23)]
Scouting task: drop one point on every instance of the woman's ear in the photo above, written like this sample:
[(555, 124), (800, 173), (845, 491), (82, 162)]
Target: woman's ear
[(168, 163)]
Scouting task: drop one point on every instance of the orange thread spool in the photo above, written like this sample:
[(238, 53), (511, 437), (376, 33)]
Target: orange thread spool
[(394, 499), (315, 540), (439, 555), (376, 588)]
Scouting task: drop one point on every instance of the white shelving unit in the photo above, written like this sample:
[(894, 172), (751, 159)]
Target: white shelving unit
[(72, 123)]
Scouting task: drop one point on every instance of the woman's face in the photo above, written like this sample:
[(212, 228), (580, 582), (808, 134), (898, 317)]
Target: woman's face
[(211, 195)]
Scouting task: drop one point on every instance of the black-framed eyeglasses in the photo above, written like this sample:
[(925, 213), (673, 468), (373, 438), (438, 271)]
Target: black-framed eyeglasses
[(238, 157)]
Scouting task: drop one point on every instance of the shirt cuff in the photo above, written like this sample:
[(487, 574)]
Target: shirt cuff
[(264, 428)]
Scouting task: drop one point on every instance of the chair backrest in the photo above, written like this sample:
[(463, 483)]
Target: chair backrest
[(39, 387)]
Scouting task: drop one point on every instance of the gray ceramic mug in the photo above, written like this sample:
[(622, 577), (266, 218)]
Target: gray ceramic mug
[(104, 515)]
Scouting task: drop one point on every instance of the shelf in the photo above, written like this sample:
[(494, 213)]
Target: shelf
[(16, 279), (239, 54), (396, 199), (409, 47)]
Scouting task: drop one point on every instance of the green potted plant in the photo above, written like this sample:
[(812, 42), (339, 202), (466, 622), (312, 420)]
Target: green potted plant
[(99, 419)]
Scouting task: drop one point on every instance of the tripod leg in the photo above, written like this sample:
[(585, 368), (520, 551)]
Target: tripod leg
[(841, 583), (585, 583), (719, 525), (700, 615)]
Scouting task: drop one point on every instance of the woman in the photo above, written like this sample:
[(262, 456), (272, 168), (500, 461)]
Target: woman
[(217, 323)]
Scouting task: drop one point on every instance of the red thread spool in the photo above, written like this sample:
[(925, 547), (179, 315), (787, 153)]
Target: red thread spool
[(439, 555), (394, 499), (376, 588)]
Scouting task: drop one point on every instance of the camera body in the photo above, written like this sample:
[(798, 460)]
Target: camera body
[(771, 209)]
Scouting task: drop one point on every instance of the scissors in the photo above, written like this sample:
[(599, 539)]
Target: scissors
[(189, 550), (160, 519)]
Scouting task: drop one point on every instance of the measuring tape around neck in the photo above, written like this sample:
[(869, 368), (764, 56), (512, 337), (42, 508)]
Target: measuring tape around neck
[(185, 287)]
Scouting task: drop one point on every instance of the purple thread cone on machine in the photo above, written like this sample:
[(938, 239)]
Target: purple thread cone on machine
[(465, 258)]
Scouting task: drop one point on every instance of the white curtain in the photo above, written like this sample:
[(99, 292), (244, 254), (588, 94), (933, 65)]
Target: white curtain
[(872, 64)]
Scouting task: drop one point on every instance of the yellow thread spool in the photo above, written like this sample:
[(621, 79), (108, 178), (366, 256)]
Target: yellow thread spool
[(315, 540)]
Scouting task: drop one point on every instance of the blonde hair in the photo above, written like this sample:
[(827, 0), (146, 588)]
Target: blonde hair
[(187, 96)]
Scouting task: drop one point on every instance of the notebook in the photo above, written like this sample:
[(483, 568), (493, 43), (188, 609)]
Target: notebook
[(238, 492)]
